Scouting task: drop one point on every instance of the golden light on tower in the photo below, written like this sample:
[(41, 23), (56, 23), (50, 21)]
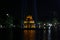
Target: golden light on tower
[(29, 22)]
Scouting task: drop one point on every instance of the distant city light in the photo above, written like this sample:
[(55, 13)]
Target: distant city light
[(11, 24), (49, 27), (55, 23), (7, 15), (0, 26), (49, 24), (44, 27), (44, 24)]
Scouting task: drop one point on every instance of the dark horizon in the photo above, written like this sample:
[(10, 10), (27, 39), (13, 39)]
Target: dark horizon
[(46, 9)]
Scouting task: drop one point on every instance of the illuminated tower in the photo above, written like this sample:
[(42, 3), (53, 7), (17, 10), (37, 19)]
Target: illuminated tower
[(29, 22), (29, 7)]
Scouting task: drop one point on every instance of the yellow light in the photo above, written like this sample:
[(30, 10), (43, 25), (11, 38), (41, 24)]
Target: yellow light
[(29, 17), (25, 21), (31, 21), (32, 26), (25, 26)]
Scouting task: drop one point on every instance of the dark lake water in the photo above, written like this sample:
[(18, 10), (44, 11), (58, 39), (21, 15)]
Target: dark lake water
[(19, 34)]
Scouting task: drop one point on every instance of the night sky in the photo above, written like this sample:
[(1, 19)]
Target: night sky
[(46, 9)]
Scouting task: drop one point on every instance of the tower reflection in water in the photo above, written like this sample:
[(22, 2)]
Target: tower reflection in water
[(29, 34), (37, 34)]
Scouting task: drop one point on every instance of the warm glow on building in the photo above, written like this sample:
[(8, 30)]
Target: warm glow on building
[(29, 22), (25, 22), (29, 17), (32, 22)]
